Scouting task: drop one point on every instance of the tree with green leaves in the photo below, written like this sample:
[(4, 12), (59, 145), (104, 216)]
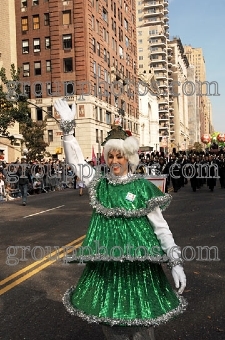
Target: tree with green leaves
[(33, 139), (197, 147), (14, 107)]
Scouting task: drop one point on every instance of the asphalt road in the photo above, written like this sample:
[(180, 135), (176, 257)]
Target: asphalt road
[(31, 286)]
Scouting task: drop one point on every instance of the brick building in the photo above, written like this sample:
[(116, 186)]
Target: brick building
[(84, 51)]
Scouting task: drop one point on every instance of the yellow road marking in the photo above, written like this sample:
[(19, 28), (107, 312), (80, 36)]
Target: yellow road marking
[(37, 264), (33, 272)]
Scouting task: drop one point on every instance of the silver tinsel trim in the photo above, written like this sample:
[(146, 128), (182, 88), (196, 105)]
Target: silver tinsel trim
[(67, 125), (124, 322), (174, 263), (98, 257), (115, 180), (162, 201)]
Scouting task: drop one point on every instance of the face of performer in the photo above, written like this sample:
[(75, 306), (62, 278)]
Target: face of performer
[(118, 163)]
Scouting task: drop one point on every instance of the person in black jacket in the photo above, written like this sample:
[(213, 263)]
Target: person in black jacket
[(175, 172), (221, 164), (24, 179), (212, 173)]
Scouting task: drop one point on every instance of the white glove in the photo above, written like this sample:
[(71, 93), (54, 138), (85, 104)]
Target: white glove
[(67, 115), (73, 152), (163, 233), (179, 278), (165, 237)]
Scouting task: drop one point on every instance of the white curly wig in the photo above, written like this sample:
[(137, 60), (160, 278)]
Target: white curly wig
[(128, 148)]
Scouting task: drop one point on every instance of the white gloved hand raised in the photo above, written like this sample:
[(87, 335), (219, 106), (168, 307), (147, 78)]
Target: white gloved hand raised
[(67, 115), (179, 278)]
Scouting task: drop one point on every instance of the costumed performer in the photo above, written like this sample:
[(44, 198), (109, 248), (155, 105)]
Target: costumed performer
[(123, 286)]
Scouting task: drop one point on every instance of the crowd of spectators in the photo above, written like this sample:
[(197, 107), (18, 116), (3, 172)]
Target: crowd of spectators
[(45, 176), (54, 175)]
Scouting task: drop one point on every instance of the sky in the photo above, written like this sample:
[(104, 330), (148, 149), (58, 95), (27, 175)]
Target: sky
[(201, 23)]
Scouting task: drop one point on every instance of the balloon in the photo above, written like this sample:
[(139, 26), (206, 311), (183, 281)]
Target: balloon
[(206, 138), (221, 137)]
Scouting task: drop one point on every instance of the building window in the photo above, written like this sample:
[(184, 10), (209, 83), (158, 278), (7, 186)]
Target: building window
[(104, 14), (101, 136), (50, 136), (120, 35), (108, 117), (36, 22), (94, 68), (25, 46), (47, 43), (48, 89), (93, 22), (93, 45), (99, 71), (49, 111), (68, 65), (104, 33), (67, 41), (27, 91), (153, 32), (23, 3), (121, 52), (96, 136), (105, 54), (66, 17), (68, 88), (38, 90), (37, 46), (108, 58), (39, 114), (100, 114), (106, 75), (24, 24), (97, 26), (37, 68), (98, 49), (46, 19), (35, 2), (48, 65), (26, 70), (126, 24)]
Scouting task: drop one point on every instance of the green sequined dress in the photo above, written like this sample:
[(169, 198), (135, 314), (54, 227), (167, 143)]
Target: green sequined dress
[(123, 282)]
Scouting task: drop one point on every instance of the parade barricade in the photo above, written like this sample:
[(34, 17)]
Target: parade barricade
[(159, 181)]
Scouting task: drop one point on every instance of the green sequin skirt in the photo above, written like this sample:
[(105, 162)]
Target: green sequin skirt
[(124, 293)]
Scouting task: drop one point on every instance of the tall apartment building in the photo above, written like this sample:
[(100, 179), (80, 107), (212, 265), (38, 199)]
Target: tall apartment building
[(9, 152), (193, 110), (148, 113), (154, 56), (84, 50), (195, 57), (180, 90)]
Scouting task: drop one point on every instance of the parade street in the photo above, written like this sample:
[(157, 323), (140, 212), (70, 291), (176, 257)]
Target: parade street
[(33, 276)]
